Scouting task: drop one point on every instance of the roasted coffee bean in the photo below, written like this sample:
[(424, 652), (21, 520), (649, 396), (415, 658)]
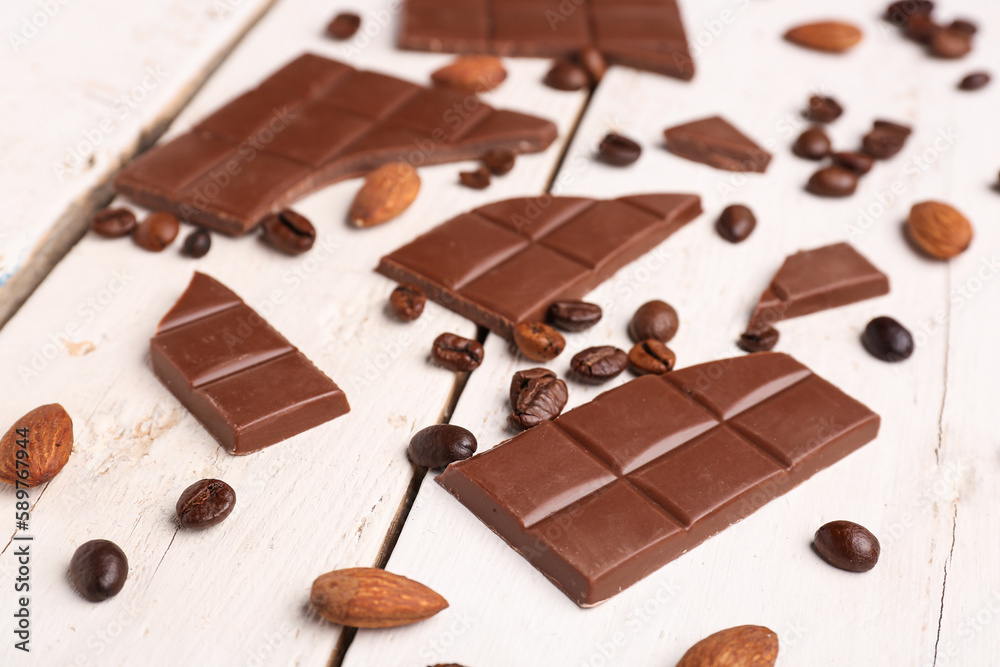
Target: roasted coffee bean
[(537, 341), (98, 569), (887, 339), (833, 181), (921, 28), (654, 319), (823, 109), (964, 25), (156, 232), (736, 223), (456, 353), (884, 142), (478, 179), (205, 503), (113, 223), (951, 44), (197, 244), (574, 315), (618, 150), (593, 61), (288, 232), (407, 302), (536, 394), (598, 364), (974, 81), (500, 161), (859, 163), (847, 545), (900, 12), (812, 144), (437, 446), (651, 357), (758, 341), (344, 25), (566, 75)]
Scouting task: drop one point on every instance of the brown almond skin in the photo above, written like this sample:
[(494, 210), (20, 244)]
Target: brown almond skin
[(386, 193), (828, 36), (471, 74), (742, 646), (50, 442), (367, 597), (939, 229)]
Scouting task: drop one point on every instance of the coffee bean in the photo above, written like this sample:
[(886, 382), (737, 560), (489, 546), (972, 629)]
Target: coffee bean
[(951, 44), (565, 75), (859, 163), (964, 25), (887, 339), (98, 569), (884, 142), (437, 446), (500, 160), (974, 81), (654, 319), (456, 353), (288, 232), (593, 61), (407, 302), (197, 244), (598, 364), (847, 545), (651, 357), (478, 179), (900, 12), (823, 109), (618, 150), (113, 223), (921, 28), (205, 503), (537, 341), (834, 181), (758, 341), (574, 315), (156, 232), (536, 394), (736, 223), (344, 25), (812, 144)]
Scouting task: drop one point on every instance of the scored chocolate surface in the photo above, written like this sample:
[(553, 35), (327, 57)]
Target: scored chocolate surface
[(646, 34), (506, 262), (613, 490), (243, 381), (313, 122)]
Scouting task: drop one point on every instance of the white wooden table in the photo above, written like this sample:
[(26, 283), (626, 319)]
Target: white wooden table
[(344, 494)]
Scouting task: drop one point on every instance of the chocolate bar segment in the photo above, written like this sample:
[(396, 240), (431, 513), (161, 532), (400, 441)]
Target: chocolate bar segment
[(506, 262), (313, 122), (244, 382), (615, 489), (715, 142)]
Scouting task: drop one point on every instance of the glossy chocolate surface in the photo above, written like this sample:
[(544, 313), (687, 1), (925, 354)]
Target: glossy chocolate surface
[(715, 142)]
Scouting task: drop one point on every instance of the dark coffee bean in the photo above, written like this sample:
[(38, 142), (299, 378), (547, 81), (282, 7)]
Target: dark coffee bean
[(197, 244), (823, 109), (156, 232), (478, 179), (736, 223), (654, 319), (537, 341), (974, 81), (847, 545), (834, 181), (964, 25), (598, 364), (500, 161), (437, 446), (889, 126), (593, 61), (618, 150), (113, 223), (456, 353), (98, 569), (758, 341), (407, 302), (859, 163), (574, 315), (288, 232), (565, 75), (951, 44), (921, 28), (884, 141), (536, 394), (812, 144), (344, 25), (651, 357), (900, 12), (887, 339), (205, 503)]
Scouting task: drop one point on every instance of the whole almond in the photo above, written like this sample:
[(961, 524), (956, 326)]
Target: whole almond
[(367, 597), (742, 646), (386, 192), (471, 74), (45, 436), (938, 229), (829, 36)]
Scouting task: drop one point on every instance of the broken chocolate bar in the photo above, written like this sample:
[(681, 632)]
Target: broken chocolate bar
[(715, 142)]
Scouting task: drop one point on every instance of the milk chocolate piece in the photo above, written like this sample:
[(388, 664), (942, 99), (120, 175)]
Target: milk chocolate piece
[(617, 488), (715, 142), (243, 381), (507, 262), (814, 280), (645, 34), (313, 122)]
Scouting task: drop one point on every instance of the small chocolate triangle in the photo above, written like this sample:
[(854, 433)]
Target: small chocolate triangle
[(715, 142), (204, 296)]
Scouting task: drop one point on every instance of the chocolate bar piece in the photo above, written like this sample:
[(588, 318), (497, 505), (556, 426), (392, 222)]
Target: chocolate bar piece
[(313, 122), (715, 142), (814, 280), (244, 382), (615, 489), (646, 34), (506, 262)]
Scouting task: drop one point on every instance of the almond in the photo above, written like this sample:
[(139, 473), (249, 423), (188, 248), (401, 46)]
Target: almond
[(37, 446), (387, 192), (938, 229), (367, 597), (742, 646), (471, 74), (829, 36)]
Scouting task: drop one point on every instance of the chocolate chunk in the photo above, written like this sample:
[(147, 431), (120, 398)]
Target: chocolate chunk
[(440, 445), (847, 545), (344, 25), (823, 109), (197, 244), (288, 232), (500, 161), (715, 142), (595, 365), (456, 353), (536, 394), (566, 75), (758, 341), (618, 150), (887, 339), (812, 144), (156, 232), (574, 315), (407, 302), (651, 357), (654, 319), (833, 181), (886, 139), (113, 223), (974, 81), (859, 163), (478, 179), (736, 223)]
